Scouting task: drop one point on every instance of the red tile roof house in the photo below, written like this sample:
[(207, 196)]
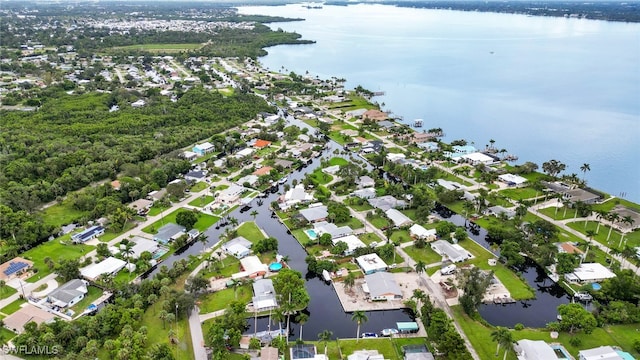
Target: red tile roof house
[(261, 144), (375, 115), (263, 171)]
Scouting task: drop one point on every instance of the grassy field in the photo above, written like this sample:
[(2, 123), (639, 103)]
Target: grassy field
[(61, 214), (13, 307), (93, 294), (519, 193), (426, 254), (158, 48), (353, 203), (379, 221), (199, 186), (352, 223), (401, 235), (632, 239), (337, 161), (518, 288), (219, 300), (204, 222), (156, 209), (158, 333), (56, 251), (250, 231), (202, 201), (7, 291), (320, 177), (230, 265), (368, 238)]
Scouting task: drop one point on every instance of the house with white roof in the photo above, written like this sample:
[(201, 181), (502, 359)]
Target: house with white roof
[(533, 350), (602, 353), (332, 170), (417, 231), (295, 195), (142, 245), (382, 286), (589, 273), (250, 179), (203, 148), (477, 158), (230, 194), (252, 267), (245, 152), (366, 193), (352, 242), (399, 219), (452, 252), (371, 263), (512, 180), (365, 182), (323, 227), (108, 266), (264, 295)]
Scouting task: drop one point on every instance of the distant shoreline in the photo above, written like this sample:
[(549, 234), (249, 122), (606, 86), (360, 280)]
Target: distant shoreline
[(607, 11)]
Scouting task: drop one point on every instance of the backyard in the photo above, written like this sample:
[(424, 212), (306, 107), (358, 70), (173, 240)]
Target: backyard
[(57, 250), (250, 231), (205, 221)]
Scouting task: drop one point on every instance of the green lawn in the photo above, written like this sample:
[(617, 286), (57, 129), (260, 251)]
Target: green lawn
[(111, 234), (518, 288), (204, 222), (352, 223), (199, 186), (13, 307), (7, 291), (6, 335), (159, 333), (384, 346), (219, 300), (520, 193), (379, 221), (229, 265), (337, 161), (560, 214), (632, 239), (368, 238), (320, 177), (401, 235), (93, 294), (56, 251), (205, 157), (479, 335), (355, 204), (156, 210), (202, 201), (427, 255), (61, 214), (250, 231)]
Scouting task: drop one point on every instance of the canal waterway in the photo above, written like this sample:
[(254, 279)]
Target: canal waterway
[(542, 87), (324, 310)]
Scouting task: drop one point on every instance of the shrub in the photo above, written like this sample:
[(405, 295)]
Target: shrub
[(518, 327)]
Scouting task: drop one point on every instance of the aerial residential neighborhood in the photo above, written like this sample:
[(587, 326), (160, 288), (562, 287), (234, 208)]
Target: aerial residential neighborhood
[(215, 209)]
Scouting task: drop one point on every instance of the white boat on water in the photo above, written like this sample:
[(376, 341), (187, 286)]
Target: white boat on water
[(326, 276), (389, 332)]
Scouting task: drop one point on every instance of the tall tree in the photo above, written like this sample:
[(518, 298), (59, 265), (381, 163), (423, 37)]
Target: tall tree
[(359, 317), (584, 168), (502, 336), (324, 337), (302, 318)]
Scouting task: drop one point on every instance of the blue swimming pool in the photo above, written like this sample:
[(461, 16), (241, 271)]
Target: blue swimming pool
[(561, 352), (311, 233), (275, 266)]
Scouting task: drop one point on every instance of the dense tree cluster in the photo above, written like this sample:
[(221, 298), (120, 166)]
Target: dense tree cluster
[(442, 332)]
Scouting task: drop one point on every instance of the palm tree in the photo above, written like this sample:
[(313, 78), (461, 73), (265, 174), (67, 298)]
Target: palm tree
[(350, 280), (421, 266), (254, 213), (584, 168), (302, 318), (600, 214), (325, 336), (420, 297), (49, 262), (359, 317), (233, 221), (163, 316), (613, 218), (501, 335), (627, 220)]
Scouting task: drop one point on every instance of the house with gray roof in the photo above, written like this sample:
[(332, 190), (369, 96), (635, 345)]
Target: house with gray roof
[(264, 295), (397, 218), (499, 210), (382, 286), (366, 193), (386, 202), (365, 182), (169, 232), (238, 247), (453, 252), (69, 294), (315, 213), (323, 227)]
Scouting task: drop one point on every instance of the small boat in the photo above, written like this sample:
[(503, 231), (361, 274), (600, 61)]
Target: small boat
[(581, 296), (326, 276), (369, 335), (389, 332)]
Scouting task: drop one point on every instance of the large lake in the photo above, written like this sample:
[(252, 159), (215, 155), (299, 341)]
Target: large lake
[(543, 88)]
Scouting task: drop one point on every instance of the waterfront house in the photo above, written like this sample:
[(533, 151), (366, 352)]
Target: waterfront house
[(397, 218), (230, 194), (195, 176), (238, 247), (109, 266), (533, 350), (250, 180), (382, 286), (417, 231), (315, 213), (386, 202), (264, 295), (68, 294), (141, 245), (295, 195), (603, 353), (589, 273), (375, 115), (352, 242), (512, 180), (365, 182), (366, 193), (366, 355), (169, 232), (305, 352), (499, 211), (252, 267), (371, 263), (265, 170), (285, 164), (453, 252), (323, 227)]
